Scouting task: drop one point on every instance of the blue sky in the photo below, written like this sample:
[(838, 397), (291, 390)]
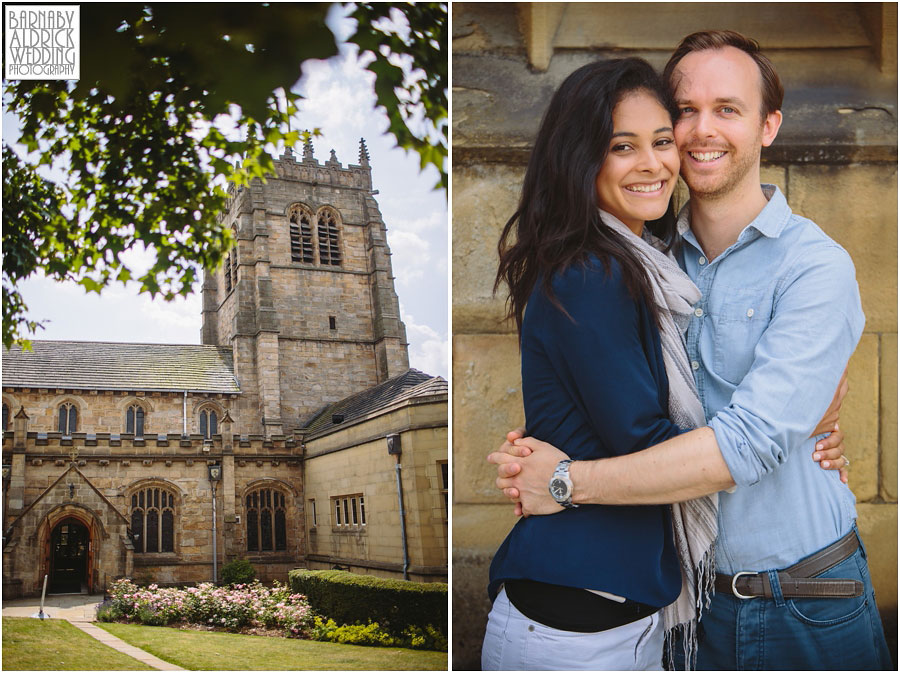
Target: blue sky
[(339, 101)]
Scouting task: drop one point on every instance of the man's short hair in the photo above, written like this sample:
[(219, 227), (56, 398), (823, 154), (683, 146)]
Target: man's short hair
[(772, 89)]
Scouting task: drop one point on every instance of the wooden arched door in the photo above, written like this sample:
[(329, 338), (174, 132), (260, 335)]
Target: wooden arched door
[(70, 543)]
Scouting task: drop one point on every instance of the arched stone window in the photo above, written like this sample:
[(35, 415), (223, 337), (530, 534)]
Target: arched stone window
[(134, 420), (228, 272), (233, 257), (301, 234), (266, 517), (153, 519), (209, 423), (68, 418), (329, 241)]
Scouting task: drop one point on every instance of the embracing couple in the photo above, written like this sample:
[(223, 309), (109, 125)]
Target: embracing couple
[(694, 356)]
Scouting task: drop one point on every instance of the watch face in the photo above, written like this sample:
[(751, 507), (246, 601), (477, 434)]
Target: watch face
[(559, 489)]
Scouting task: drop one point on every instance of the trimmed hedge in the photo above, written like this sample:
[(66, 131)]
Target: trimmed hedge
[(348, 598)]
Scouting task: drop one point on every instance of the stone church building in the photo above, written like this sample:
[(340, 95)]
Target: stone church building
[(296, 435)]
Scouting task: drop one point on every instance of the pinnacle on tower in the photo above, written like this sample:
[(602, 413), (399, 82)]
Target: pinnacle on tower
[(334, 158), (308, 149), (363, 153)]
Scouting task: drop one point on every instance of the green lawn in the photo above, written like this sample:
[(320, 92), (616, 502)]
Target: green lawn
[(206, 651), (55, 645)]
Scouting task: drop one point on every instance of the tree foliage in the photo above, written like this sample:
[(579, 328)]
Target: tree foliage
[(135, 144)]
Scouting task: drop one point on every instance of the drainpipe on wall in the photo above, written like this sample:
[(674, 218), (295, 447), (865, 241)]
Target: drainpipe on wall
[(184, 416), (402, 524), (394, 449)]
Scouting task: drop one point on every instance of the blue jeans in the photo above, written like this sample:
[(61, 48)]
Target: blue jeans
[(796, 633)]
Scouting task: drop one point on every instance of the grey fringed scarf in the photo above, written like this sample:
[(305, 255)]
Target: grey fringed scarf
[(694, 521)]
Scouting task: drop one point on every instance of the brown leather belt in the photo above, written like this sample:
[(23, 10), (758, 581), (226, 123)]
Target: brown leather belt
[(799, 581)]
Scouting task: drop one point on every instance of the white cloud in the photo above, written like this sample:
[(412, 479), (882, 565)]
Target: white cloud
[(428, 350)]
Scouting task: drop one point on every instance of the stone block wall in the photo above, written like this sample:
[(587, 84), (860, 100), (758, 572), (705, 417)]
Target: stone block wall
[(835, 159), (354, 461), (102, 411), (108, 471)]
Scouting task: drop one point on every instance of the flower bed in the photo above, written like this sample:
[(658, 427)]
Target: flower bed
[(236, 608)]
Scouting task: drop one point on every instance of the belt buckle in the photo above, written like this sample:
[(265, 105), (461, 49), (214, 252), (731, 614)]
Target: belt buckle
[(734, 580)]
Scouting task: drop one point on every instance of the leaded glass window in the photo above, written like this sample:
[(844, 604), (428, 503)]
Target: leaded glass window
[(153, 520), (266, 520), (134, 420), (68, 418)]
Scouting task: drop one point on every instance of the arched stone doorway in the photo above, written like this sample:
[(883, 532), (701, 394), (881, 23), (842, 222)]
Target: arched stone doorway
[(70, 546)]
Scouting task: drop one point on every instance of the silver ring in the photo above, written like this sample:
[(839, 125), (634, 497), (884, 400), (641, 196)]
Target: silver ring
[(846, 461)]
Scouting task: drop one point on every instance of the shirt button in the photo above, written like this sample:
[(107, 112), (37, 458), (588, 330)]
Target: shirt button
[(695, 365), (531, 627), (701, 261), (698, 312), (749, 312)]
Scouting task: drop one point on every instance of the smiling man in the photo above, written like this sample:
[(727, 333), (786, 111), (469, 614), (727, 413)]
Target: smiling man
[(779, 318)]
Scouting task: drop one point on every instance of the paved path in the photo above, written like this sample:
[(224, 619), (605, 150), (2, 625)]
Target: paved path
[(79, 610)]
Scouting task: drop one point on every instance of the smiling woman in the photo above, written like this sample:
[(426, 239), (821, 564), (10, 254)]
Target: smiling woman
[(638, 177), (601, 296)]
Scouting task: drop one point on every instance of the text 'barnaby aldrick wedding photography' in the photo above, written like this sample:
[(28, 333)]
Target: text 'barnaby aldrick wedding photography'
[(42, 41)]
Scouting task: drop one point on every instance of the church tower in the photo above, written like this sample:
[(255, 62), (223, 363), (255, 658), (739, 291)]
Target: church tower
[(305, 300)]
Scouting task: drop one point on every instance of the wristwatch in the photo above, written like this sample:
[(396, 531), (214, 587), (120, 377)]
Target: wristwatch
[(561, 485)]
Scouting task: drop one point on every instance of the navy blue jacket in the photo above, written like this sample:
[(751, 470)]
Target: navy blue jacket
[(595, 386)]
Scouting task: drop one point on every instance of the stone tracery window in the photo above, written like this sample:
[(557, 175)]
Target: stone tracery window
[(301, 235), (329, 242), (266, 520), (68, 418), (134, 420), (153, 520)]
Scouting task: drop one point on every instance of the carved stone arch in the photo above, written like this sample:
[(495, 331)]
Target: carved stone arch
[(87, 517), (270, 516), (74, 400), (127, 401), (204, 406), (269, 481), (162, 482), (130, 401), (301, 232), (85, 514), (329, 227)]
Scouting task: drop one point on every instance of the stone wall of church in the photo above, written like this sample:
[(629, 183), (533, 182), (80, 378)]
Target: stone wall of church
[(105, 411), (108, 471), (353, 464)]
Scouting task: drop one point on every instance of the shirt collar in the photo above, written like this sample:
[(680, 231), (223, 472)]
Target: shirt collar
[(770, 222)]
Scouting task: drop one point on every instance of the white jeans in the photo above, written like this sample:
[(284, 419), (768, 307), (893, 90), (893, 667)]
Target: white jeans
[(512, 642)]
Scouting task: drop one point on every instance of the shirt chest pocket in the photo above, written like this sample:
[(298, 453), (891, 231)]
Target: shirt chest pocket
[(738, 319)]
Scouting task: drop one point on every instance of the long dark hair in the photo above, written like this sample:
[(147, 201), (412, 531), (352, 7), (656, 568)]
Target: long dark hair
[(557, 222)]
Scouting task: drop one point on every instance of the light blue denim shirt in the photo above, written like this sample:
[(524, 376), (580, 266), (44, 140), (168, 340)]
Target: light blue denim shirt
[(779, 318)]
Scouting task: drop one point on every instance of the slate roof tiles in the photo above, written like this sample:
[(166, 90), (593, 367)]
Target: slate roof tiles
[(411, 384), (90, 365)]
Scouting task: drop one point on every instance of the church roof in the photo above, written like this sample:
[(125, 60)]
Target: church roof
[(91, 365), (411, 384)]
